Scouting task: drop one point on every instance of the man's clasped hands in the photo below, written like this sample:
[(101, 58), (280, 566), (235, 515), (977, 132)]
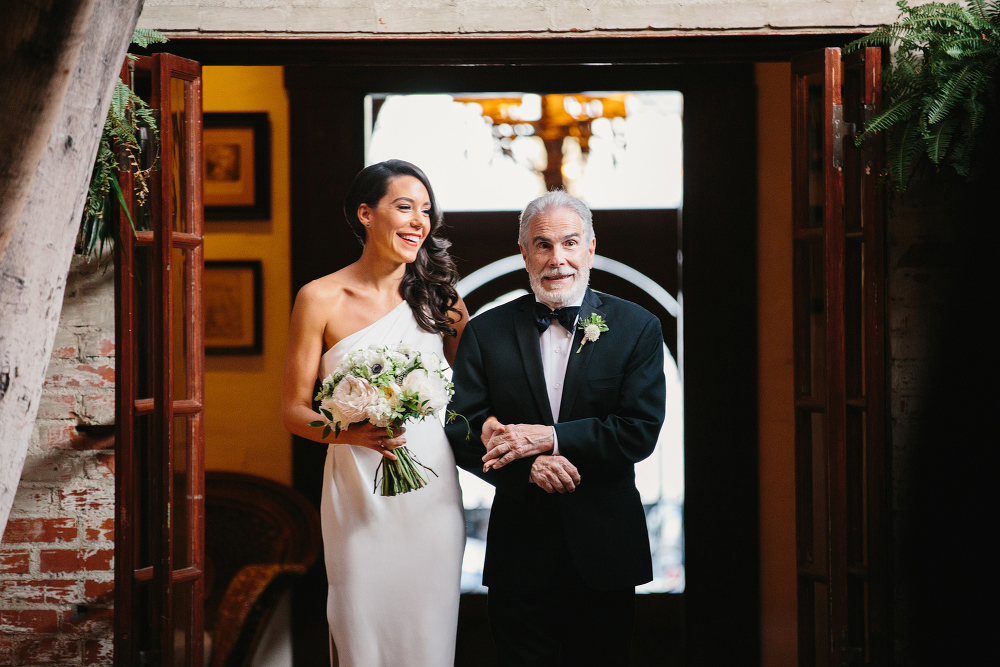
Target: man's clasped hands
[(508, 442)]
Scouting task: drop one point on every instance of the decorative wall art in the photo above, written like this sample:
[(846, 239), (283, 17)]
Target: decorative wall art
[(232, 291), (237, 149)]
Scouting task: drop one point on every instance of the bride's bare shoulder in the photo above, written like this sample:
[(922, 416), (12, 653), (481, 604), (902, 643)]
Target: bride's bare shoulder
[(329, 291)]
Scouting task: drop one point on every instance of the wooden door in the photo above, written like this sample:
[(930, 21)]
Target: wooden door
[(839, 339), (159, 523)]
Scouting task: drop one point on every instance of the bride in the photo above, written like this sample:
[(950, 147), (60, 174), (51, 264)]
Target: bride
[(393, 563)]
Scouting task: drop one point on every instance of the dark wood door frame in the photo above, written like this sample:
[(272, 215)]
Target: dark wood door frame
[(327, 80), (718, 241)]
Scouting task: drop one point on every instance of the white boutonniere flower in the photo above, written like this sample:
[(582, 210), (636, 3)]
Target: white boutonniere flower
[(593, 326)]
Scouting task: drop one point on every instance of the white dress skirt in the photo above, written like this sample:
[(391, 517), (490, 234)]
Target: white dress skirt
[(393, 563)]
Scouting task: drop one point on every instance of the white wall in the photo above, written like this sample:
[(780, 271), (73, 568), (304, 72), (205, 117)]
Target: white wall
[(509, 16)]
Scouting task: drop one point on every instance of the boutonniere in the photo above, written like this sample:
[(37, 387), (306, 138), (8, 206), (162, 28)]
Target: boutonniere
[(593, 326)]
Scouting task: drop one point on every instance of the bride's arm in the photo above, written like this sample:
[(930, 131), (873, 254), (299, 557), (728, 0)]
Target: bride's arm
[(451, 342), (305, 346)]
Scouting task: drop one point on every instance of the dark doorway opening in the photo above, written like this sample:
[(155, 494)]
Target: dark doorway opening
[(716, 238)]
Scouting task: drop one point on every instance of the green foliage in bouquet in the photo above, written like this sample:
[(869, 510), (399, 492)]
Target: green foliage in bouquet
[(127, 114), (938, 85)]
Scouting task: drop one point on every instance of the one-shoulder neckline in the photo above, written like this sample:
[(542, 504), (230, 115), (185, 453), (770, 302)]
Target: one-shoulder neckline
[(349, 337)]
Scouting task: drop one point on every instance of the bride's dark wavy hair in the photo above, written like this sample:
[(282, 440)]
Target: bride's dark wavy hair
[(429, 282)]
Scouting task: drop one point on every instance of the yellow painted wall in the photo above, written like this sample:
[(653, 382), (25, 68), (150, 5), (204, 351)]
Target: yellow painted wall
[(243, 429), (776, 388)]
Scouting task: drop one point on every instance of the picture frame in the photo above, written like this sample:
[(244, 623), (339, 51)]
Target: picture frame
[(233, 297), (237, 166)]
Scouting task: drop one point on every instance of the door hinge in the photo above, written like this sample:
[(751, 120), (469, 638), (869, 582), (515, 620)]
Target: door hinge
[(841, 132)]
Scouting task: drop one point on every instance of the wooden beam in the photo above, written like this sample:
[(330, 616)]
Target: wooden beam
[(33, 268)]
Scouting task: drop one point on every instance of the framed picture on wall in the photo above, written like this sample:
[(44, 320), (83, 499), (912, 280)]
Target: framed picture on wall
[(237, 170), (232, 291)]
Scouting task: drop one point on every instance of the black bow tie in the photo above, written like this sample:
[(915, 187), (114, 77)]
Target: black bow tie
[(566, 316)]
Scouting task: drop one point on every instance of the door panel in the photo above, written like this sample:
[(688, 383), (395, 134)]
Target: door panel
[(159, 552), (839, 314)]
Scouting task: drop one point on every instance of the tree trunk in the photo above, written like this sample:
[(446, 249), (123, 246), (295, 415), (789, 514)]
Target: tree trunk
[(33, 269), (39, 42)]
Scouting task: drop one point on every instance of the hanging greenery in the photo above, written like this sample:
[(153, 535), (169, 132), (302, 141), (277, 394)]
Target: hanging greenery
[(938, 85), (119, 145)]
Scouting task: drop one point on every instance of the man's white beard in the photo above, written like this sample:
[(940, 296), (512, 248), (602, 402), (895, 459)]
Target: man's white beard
[(559, 298)]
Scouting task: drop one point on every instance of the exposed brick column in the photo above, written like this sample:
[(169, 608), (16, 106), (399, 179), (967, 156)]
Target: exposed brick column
[(56, 559)]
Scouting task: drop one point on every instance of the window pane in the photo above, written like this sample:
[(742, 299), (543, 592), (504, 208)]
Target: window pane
[(179, 154), (180, 274), (180, 520), (814, 143), (496, 152)]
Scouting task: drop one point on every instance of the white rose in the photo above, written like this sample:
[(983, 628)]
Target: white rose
[(336, 415), (380, 412), (431, 361), (352, 397), (429, 387)]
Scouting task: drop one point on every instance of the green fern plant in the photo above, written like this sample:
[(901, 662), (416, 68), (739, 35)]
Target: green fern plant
[(128, 112), (938, 85)]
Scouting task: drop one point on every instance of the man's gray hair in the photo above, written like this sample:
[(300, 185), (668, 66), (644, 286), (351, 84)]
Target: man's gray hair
[(549, 202)]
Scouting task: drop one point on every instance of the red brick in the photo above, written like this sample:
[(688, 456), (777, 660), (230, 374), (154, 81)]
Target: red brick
[(55, 466), (6, 652), (99, 592), (61, 560), (94, 621), (39, 591), (48, 651), (66, 436), (91, 498), (98, 651), (98, 408), (100, 466), (80, 375), (33, 500), (98, 343), (100, 529), (66, 345), (59, 434), (57, 406), (14, 562), (76, 560), (39, 621), (40, 530)]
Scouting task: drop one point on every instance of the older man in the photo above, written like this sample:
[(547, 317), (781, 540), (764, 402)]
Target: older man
[(567, 388)]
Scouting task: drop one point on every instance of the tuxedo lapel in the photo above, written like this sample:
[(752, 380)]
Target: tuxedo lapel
[(578, 362), (531, 355)]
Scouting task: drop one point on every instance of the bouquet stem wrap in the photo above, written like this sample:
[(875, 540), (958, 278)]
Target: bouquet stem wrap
[(402, 475)]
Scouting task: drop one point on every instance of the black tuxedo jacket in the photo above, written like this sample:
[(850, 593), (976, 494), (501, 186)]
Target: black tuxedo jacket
[(612, 409)]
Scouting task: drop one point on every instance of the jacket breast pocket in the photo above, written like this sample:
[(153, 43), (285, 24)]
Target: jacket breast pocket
[(602, 393), (610, 382)]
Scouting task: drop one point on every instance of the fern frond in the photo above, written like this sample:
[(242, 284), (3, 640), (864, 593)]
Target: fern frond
[(143, 37), (937, 138), (905, 145), (119, 100), (948, 97), (894, 115)]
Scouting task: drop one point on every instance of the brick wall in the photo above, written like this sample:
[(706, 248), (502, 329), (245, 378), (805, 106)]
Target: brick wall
[(57, 555), (921, 230)]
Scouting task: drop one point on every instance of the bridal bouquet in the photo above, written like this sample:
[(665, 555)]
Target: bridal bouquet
[(387, 386)]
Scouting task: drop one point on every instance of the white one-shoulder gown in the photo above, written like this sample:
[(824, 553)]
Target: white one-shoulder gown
[(393, 563)]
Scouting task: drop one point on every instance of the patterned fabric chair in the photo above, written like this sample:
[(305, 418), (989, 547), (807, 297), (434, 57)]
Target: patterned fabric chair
[(259, 537)]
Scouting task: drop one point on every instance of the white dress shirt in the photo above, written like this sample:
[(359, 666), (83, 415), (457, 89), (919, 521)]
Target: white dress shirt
[(556, 345)]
